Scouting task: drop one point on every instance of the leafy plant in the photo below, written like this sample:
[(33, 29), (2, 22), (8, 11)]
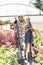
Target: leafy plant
[(8, 56), (38, 39)]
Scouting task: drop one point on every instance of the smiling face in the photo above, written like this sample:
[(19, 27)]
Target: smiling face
[(20, 18), (28, 20)]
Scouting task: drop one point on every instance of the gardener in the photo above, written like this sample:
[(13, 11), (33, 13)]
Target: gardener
[(20, 28), (19, 32), (28, 36)]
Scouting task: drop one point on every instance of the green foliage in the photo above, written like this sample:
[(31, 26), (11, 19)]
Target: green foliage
[(1, 22), (38, 4), (8, 56), (36, 64), (5, 22), (38, 39), (39, 59)]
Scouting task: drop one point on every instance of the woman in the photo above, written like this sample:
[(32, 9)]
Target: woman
[(28, 36)]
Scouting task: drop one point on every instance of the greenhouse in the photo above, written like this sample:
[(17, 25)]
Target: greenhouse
[(9, 10), (14, 14)]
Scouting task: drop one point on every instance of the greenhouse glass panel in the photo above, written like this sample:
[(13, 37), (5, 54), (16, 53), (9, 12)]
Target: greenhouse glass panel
[(18, 7)]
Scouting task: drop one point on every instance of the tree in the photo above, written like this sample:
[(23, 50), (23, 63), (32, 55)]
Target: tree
[(38, 4)]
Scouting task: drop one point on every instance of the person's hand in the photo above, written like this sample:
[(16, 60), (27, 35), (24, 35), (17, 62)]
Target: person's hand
[(32, 29), (25, 31)]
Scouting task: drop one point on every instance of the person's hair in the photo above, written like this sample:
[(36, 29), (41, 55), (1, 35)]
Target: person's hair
[(28, 18), (29, 21), (20, 16)]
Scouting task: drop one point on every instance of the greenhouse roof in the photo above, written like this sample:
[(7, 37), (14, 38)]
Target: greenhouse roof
[(17, 7)]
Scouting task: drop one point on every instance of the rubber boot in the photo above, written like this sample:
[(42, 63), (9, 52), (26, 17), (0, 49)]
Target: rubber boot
[(30, 56)]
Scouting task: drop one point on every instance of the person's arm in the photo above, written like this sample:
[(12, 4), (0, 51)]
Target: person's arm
[(25, 30), (32, 29)]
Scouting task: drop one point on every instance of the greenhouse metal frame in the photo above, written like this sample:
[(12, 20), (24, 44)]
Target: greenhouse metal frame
[(23, 5)]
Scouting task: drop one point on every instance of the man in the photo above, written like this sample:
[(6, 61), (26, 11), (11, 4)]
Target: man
[(20, 27), (19, 30)]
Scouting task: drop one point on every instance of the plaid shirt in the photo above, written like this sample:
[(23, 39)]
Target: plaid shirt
[(20, 28)]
